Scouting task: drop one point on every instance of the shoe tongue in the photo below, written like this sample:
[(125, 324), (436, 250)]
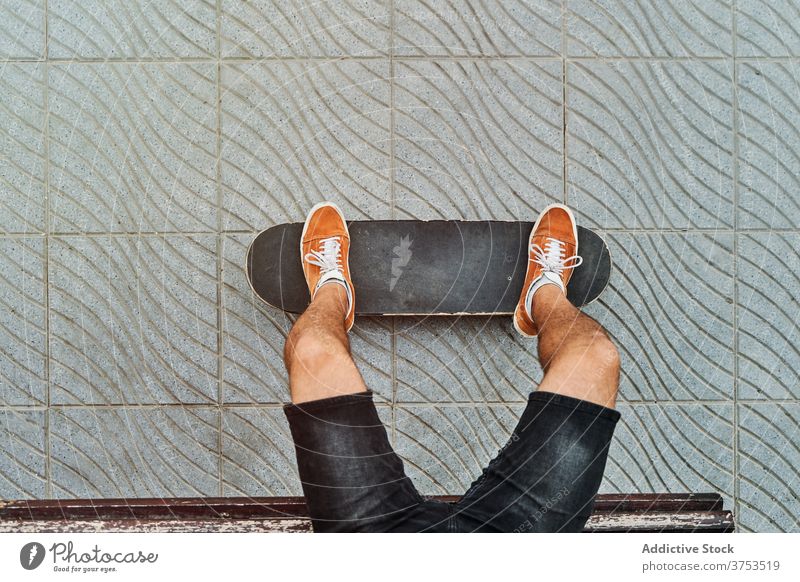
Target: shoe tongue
[(555, 278)]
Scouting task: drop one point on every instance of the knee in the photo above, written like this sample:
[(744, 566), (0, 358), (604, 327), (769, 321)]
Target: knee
[(602, 351), (311, 348), (605, 356)]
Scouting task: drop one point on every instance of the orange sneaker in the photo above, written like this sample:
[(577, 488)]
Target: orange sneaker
[(552, 254), (324, 252)]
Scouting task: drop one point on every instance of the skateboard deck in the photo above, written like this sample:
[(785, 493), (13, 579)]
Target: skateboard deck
[(414, 267)]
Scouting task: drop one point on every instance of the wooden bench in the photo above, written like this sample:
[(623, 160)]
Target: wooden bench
[(661, 512)]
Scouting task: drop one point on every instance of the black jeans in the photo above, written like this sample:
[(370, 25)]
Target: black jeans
[(543, 480)]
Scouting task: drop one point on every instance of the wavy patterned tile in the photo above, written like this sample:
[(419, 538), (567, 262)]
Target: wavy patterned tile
[(131, 29), (258, 455), (769, 290), (474, 28), (650, 145), (130, 452), (445, 448), (22, 30), (22, 164), (254, 335), (271, 28), (132, 147), (133, 320), (636, 28), (477, 139), (669, 308), (769, 457), (294, 134), (767, 28), (22, 456), (465, 359), (769, 137), (686, 448), (22, 322)]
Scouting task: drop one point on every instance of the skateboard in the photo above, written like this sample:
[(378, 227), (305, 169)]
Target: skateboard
[(414, 267)]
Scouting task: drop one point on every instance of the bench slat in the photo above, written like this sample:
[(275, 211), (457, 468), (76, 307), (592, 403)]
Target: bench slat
[(287, 507), (612, 512)]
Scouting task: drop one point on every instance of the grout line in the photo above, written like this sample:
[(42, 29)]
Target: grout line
[(427, 58), (126, 234), (392, 211), (564, 193), (48, 463), (735, 169), (391, 114), (389, 404), (751, 402), (743, 231), (209, 406), (220, 245)]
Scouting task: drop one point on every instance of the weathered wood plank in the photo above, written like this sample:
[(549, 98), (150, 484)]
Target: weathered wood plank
[(289, 507), (612, 512), (712, 521), (158, 526), (694, 521)]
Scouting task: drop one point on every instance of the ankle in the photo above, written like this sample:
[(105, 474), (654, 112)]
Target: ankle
[(332, 292), (548, 302), (545, 296)]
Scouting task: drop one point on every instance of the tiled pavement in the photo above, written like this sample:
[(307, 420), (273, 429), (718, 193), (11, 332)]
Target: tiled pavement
[(144, 143)]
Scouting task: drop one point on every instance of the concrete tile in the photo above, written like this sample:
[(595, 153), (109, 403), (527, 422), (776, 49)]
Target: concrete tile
[(768, 121), (22, 456), (133, 147), (254, 335), (258, 456), (686, 448), (22, 30), (131, 29), (270, 28), (445, 448), (22, 164), (636, 28), (769, 289), (649, 145), (22, 322), (132, 452), (769, 457), (767, 28), (471, 28), (465, 359), (477, 139), (294, 134), (669, 309), (133, 320)]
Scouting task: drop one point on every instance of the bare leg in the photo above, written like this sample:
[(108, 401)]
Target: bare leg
[(317, 352), (577, 355)]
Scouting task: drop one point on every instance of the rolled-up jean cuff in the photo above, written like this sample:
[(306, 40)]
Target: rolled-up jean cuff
[(312, 406), (575, 404)]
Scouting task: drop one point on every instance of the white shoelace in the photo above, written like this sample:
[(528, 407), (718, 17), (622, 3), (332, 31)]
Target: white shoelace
[(329, 257), (551, 257)]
